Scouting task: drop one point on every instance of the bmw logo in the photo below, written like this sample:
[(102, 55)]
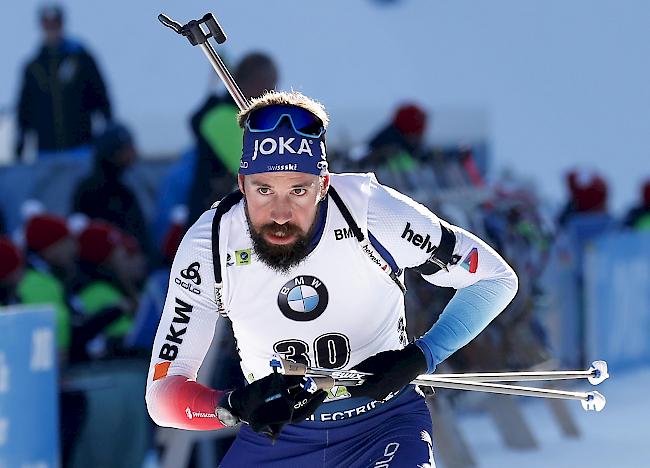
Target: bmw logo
[(303, 298)]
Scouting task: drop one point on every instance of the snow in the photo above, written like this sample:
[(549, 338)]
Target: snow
[(618, 436)]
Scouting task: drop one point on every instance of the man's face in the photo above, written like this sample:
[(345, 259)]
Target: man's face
[(281, 212), (125, 157), (52, 30), (63, 254), (265, 78)]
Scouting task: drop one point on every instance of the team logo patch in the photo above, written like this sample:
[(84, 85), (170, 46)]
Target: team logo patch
[(192, 273), (303, 298), (243, 257), (471, 261)]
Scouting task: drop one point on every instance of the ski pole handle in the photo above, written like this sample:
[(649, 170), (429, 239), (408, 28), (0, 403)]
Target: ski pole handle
[(286, 367), (337, 377), (197, 36), (193, 31), (170, 23)]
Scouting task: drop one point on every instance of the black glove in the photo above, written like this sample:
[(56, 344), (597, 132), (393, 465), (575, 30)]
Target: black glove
[(392, 371), (304, 405), (270, 403)]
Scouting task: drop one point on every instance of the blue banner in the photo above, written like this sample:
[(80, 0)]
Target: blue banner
[(617, 299), (563, 281), (28, 388)]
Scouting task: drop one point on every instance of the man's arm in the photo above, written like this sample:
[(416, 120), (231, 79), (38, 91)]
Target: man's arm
[(184, 335), (486, 283), (96, 92), (24, 112)]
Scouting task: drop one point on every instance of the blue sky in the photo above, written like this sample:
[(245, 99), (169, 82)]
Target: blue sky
[(551, 84)]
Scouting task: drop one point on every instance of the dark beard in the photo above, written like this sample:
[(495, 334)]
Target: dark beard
[(280, 258)]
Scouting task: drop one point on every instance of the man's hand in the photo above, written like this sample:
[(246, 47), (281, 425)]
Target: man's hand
[(270, 403), (391, 371), (304, 405)]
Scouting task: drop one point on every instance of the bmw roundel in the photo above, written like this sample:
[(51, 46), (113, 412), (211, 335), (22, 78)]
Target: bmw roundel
[(303, 298)]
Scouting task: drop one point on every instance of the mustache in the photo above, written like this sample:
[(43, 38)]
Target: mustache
[(286, 229)]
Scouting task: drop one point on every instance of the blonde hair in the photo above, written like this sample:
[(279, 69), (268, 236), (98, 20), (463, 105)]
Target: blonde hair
[(291, 98)]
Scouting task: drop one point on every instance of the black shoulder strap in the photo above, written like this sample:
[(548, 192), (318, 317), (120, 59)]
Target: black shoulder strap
[(346, 214), (223, 207), (442, 256)]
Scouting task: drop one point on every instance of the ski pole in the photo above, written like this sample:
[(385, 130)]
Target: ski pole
[(326, 378), (591, 401), (596, 374)]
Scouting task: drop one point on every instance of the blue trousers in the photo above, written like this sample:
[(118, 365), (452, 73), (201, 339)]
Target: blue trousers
[(397, 434)]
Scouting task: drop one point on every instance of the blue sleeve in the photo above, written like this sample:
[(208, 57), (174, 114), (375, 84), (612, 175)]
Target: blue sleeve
[(466, 315)]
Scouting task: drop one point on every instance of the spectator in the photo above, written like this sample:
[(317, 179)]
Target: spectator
[(61, 91), (587, 194), (50, 276), (400, 143), (218, 136), (153, 295), (47, 279), (104, 268), (104, 195), (134, 273), (584, 219), (51, 268), (11, 271), (51, 257), (639, 216)]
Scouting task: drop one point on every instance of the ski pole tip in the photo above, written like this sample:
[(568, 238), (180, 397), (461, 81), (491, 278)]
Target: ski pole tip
[(598, 372), (595, 401)]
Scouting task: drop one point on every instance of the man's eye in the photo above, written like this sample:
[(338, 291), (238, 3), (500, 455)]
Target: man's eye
[(299, 191), (264, 190)]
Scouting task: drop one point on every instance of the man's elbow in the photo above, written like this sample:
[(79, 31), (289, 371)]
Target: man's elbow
[(155, 408), (155, 417), (511, 281)]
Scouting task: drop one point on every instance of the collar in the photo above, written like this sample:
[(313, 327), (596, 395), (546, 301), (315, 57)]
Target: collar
[(321, 216)]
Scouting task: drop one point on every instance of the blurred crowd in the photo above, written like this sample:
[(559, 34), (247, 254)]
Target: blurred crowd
[(103, 264)]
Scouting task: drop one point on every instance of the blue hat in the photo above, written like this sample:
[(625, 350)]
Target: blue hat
[(283, 138), (114, 138)]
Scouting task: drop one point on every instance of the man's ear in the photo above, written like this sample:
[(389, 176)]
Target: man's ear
[(240, 182), (325, 185)]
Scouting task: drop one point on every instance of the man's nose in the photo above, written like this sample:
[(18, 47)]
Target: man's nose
[(281, 212)]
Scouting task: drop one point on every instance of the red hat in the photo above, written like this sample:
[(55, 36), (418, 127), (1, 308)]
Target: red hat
[(10, 258), (172, 240), (410, 119), (97, 241), (646, 193), (44, 230), (588, 191)]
